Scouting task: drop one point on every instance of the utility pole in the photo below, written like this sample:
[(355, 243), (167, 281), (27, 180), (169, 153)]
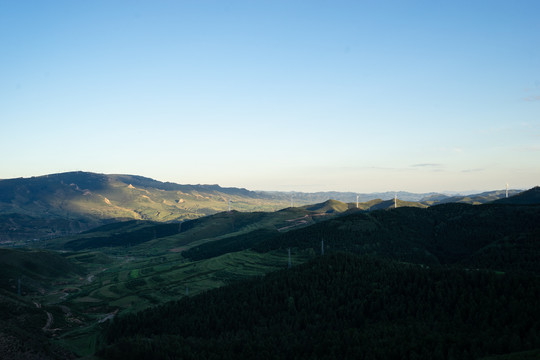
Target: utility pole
[(289, 258)]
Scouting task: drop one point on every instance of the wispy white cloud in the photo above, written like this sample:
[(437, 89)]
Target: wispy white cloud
[(427, 165), (532, 98), (472, 170), (432, 167)]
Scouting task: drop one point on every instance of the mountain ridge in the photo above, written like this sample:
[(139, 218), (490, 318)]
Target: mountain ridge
[(95, 199), (66, 203)]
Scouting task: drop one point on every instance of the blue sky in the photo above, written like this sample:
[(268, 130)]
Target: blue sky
[(275, 95)]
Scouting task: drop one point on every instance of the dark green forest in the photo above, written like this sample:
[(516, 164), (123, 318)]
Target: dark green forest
[(341, 306), (145, 233), (497, 237)]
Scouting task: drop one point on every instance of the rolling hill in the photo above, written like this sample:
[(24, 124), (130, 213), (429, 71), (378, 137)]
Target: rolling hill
[(164, 236), (473, 199), (529, 197), (98, 196), (495, 236), (60, 204)]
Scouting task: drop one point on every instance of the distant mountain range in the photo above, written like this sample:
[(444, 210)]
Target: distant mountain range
[(66, 203)]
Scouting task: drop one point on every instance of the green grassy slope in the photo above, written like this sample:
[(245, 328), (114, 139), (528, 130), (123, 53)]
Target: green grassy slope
[(328, 207), (98, 196), (129, 284), (145, 236), (92, 199)]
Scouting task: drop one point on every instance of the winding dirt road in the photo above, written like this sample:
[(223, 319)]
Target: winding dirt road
[(50, 320)]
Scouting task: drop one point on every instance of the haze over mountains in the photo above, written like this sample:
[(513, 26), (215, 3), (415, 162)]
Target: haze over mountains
[(65, 203)]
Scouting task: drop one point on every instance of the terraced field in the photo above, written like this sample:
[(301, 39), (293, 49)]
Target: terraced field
[(134, 283)]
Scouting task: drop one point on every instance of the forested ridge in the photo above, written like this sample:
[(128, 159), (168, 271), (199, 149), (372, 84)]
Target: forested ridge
[(503, 237), (493, 236), (342, 305), (127, 238)]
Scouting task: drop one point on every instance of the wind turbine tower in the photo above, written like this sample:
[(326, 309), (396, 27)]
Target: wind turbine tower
[(507, 190), (395, 201), (229, 205), (357, 201)]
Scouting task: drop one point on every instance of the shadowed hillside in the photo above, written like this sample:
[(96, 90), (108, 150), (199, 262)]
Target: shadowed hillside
[(473, 199), (60, 204), (17, 228), (487, 236), (223, 226), (528, 197), (341, 307), (25, 329), (99, 196), (25, 323), (34, 267)]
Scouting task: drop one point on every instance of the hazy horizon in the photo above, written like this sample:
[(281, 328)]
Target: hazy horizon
[(275, 95), (444, 192)]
